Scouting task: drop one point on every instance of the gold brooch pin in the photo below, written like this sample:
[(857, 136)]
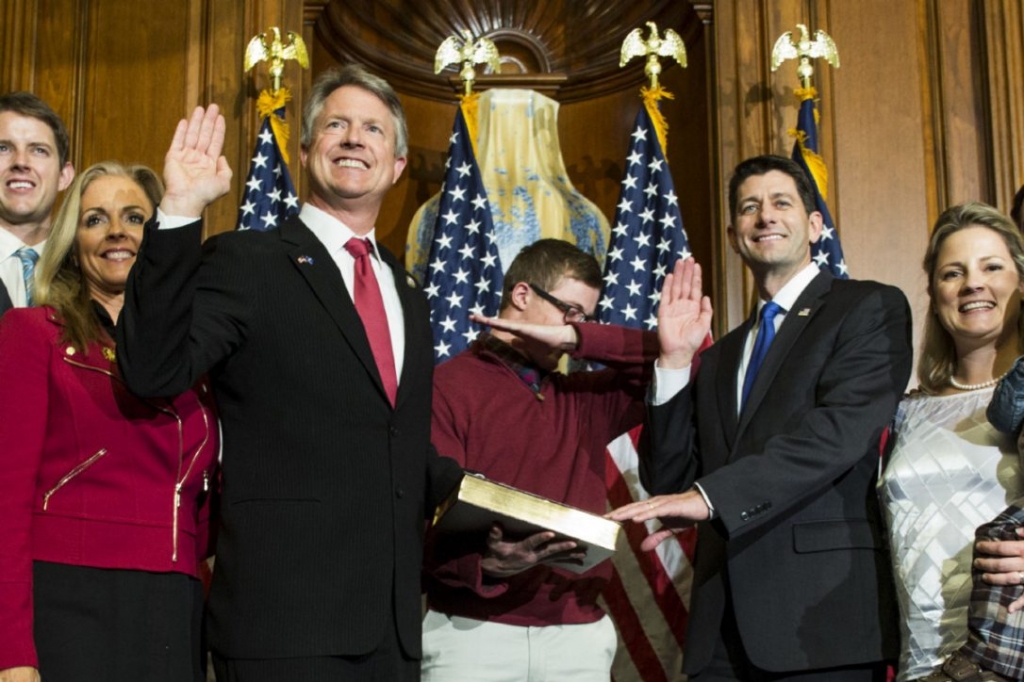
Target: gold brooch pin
[(108, 353)]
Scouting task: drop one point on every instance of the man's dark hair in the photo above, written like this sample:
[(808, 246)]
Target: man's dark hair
[(1017, 210), (761, 165), (545, 262), (27, 104)]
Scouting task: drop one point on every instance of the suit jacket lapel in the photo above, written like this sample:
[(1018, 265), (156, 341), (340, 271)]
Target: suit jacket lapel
[(804, 310), (5, 300), (317, 267), (725, 379)]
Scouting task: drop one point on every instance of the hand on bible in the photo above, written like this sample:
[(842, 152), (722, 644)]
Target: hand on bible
[(504, 558)]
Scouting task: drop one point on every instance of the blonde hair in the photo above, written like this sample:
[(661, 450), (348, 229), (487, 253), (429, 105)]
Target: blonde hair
[(58, 280), (938, 352)]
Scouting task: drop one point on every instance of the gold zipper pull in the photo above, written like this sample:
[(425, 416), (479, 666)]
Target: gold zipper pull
[(177, 496)]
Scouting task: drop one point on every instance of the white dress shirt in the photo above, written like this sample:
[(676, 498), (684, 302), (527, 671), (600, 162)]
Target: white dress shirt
[(11, 273)]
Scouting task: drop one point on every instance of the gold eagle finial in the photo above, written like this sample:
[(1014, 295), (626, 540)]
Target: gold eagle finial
[(670, 46), (805, 50), (455, 50), (277, 52)]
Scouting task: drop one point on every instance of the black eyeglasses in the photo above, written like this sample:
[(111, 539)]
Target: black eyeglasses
[(570, 313)]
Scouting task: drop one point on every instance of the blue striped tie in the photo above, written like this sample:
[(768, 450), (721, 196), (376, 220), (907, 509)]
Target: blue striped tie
[(765, 336), (28, 257)]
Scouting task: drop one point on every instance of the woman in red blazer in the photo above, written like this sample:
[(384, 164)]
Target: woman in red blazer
[(103, 496)]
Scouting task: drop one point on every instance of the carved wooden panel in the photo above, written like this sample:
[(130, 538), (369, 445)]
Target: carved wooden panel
[(578, 39), (1003, 22)]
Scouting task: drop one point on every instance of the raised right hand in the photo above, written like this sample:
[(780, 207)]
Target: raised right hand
[(195, 171), (684, 315)]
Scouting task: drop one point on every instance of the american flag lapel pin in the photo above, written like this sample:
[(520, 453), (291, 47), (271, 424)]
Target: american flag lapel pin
[(305, 260), (804, 312)]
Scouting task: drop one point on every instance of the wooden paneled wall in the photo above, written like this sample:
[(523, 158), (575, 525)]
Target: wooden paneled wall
[(926, 110)]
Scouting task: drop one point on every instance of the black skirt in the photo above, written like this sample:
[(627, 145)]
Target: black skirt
[(116, 625)]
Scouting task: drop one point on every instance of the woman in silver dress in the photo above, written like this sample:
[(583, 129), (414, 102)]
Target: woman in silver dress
[(950, 471)]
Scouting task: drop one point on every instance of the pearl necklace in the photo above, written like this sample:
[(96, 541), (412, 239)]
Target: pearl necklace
[(974, 387)]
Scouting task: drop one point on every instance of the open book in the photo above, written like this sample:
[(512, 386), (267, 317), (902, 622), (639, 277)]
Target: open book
[(477, 503)]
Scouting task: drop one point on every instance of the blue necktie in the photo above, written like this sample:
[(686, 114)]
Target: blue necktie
[(28, 257), (765, 336)]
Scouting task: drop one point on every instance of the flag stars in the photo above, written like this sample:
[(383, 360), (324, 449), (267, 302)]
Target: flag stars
[(647, 215), (655, 165), (639, 265), (643, 239), (827, 232), (671, 198), (640, 134), (448, 324), (266, 137), (473, 227), (451, 217), (634, 288), (438, 265), (629, 312), (254, 184), (668, 220), (635, 159), (489, 260), (444, 242), (269, 220), (467, 251), (483, 286), (433, 290), (442, 349), (480, 203), (821, 259), (615, 254), (651, 190), (471, 334), (620, 229), (248, 207), (454, 300), (625, 206), (259, 161), (461, 276), (464, 169), (664, 246), (458, 194), (630, 182)]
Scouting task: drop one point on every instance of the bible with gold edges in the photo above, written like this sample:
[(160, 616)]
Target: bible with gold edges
[(477, 503)]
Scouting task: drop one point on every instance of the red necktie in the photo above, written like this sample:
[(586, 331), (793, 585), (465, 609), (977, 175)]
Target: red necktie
[(370, 306)]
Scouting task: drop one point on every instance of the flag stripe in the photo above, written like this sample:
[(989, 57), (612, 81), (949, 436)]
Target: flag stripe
[(630, 629)]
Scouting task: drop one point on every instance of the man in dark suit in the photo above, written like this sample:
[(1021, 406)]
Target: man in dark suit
[(34, 167), (319, 347), (777, 465)]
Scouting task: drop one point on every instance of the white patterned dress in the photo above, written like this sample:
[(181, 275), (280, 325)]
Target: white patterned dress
[(950, 471)]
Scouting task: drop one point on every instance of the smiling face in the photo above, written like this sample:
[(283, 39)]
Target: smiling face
[(351, 159), (772, 231), (114, 210), (31, 174), (976, 288)]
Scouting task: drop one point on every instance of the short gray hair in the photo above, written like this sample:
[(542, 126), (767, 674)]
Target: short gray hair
[(353, 74)]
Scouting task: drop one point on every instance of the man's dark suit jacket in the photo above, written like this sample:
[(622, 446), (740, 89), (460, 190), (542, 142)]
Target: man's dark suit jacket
[(325, 486), (797, 539), (5, 299)]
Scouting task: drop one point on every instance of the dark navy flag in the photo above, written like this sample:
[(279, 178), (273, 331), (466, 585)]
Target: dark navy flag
[(648, 236), (269, 196), (827, 252), (463, 270), (647, 240)]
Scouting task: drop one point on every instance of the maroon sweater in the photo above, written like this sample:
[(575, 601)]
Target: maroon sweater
[(488, 419)]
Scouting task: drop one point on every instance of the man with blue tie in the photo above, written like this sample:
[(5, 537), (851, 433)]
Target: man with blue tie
[(773, 451), (34, 167)]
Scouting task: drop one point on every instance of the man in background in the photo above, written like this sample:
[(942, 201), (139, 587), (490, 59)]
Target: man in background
[(34, 167)]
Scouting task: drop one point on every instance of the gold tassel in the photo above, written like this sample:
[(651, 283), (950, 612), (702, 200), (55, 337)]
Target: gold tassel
[(267, 106), (470, 110), (651, 98), (814, 162)]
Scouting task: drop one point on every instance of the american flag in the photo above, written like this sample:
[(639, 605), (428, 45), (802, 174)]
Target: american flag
[(463, 269), (269, 196), (827, 252), (649, 593)]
